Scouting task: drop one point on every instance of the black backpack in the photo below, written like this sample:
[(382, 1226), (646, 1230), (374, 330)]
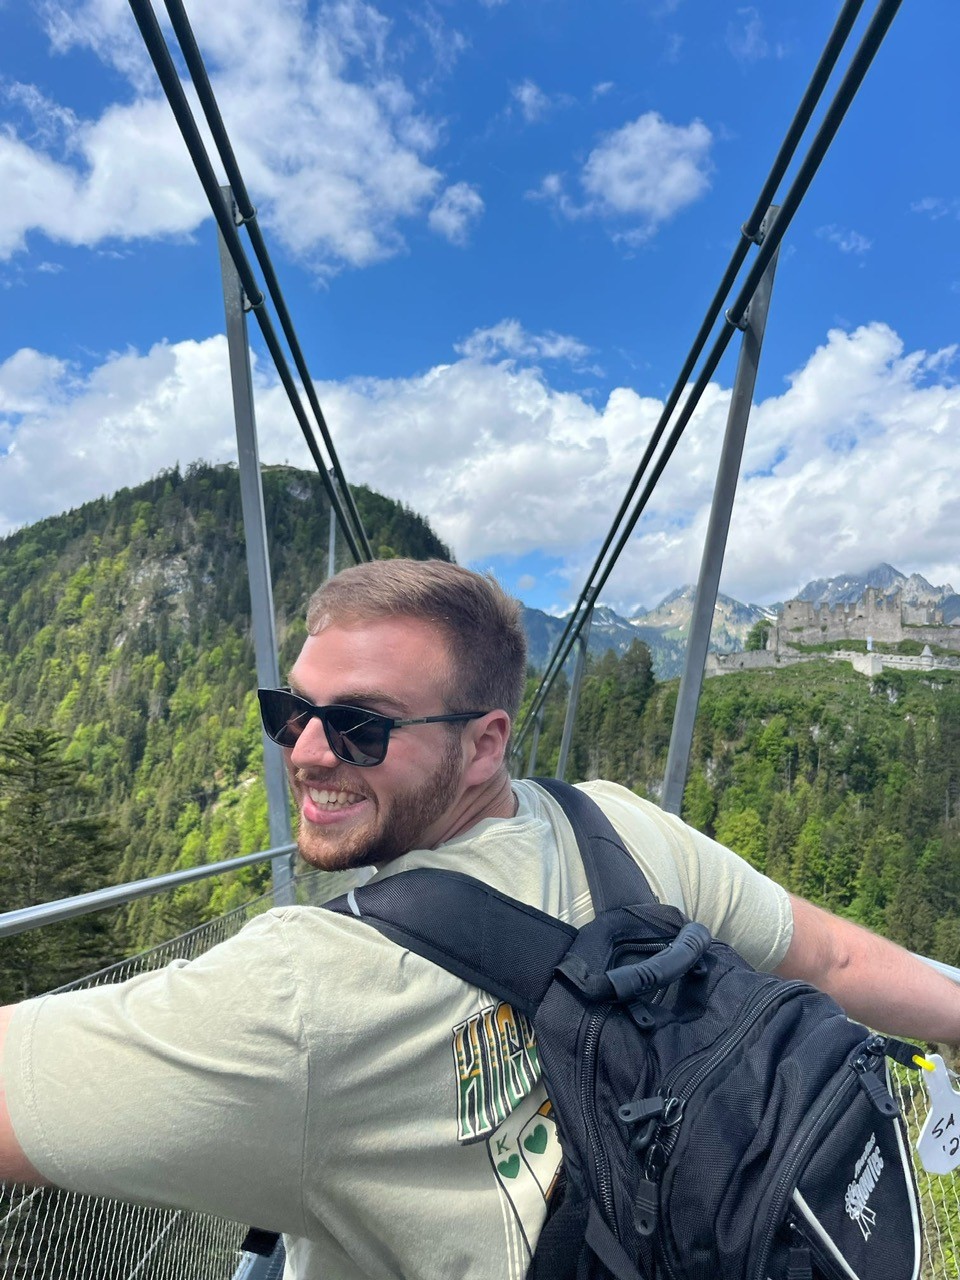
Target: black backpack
[(714, 1121)]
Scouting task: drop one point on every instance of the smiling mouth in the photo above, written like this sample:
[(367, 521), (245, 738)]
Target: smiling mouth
[(326, 799)]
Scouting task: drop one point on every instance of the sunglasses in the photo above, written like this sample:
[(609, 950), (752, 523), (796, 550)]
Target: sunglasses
[(356, 736)]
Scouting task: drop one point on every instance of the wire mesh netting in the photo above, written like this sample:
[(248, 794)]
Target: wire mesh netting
[(939, 1195), (47, 1234)]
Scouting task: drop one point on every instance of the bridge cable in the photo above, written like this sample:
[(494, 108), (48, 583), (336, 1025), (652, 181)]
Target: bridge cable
[(853, 77), (749, 235), (170, 82), (248, 216)]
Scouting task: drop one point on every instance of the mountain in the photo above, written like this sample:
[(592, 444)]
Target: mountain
[(607, 631), (731, 619), (848, 588), (663, 630)]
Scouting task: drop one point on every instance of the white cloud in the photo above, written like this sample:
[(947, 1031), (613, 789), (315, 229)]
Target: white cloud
[(648, 169), (29, 381), (331, 141), (534, 105), (852, 464), (935, 207), (446, 44), (846, 241), (455, 212), (745, 37), (509, 339), (532, 101), (51, 122), (68, 437), (672, 48)]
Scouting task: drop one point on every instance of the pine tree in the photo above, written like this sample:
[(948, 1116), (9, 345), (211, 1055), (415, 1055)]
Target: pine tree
[(49, 848)]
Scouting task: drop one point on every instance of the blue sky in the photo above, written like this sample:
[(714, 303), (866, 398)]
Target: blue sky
[(498, 225)]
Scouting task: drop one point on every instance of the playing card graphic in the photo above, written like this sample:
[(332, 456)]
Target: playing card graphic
[(526, 1155), (539, 1148), (502, 1104)]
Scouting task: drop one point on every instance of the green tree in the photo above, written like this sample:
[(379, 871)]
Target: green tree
[(49, 848), (698, 802), (757, 635), (745, 833)]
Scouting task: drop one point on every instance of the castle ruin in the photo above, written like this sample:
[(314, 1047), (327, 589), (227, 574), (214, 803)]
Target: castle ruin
[(874, 617)]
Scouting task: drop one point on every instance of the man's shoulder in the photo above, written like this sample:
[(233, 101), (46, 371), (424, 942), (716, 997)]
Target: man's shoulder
[(620, 804)]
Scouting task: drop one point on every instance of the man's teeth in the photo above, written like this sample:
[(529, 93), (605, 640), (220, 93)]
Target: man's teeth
[(333, 798)]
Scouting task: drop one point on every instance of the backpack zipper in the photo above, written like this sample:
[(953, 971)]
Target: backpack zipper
[(675, 1100), (858, 1065), (748, 1020), (591, 1042)]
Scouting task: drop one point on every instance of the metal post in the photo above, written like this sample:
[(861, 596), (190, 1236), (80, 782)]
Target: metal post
[(574, 697), (534, 743), (258, 560), (332, 544), (681, 738)]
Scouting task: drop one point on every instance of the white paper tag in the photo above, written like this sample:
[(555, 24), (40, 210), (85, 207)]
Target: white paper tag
[(939, 1143)]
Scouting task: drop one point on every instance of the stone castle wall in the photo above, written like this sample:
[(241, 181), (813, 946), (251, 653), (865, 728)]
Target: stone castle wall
[(868, 664), (719, 664), (873, 617)]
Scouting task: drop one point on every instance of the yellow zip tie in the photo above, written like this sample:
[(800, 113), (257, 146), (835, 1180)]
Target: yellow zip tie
[(924, 1062)]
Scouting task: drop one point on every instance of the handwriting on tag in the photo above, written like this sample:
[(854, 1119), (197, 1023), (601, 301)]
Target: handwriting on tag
[(939, 1143)]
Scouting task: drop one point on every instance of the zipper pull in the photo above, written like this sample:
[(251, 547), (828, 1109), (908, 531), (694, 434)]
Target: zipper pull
[(646, 1207), (901, 1051), (872, 1085), (799, 1266), (645, 1114)]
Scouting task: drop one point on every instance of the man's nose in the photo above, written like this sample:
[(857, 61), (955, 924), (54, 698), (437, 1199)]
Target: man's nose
[(312, 748)]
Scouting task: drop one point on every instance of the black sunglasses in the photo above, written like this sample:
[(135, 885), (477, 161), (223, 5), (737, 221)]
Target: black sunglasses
[(356, 736)]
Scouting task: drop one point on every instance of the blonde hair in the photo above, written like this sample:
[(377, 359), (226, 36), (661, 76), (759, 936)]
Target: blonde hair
[(481, 623)]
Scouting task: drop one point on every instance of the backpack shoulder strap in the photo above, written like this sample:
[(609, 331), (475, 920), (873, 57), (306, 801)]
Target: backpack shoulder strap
[(486, 937), (614, 878), (467, 927)]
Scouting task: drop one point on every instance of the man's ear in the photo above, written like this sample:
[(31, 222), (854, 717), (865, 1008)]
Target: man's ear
[(485, 745)]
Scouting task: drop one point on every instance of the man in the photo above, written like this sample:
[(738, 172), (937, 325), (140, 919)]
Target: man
[(313, 1077)]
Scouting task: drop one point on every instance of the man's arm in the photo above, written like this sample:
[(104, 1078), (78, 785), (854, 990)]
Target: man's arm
[(14, 1165), (875, 981)]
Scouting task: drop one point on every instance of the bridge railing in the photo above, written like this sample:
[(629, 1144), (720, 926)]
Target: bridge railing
[(49, 1234)]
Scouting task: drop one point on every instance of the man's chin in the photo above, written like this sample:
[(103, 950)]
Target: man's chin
[(324, 854)]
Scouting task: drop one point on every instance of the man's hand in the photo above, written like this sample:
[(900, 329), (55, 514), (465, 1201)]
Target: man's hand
[(875, 981), (14, 1165)]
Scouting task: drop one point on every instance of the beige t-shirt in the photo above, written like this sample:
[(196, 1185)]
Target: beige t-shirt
[(310, 1076)]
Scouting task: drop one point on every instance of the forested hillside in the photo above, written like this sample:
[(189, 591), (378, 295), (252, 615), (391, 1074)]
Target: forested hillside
[(130, 742), (846, 790), (125, 629)]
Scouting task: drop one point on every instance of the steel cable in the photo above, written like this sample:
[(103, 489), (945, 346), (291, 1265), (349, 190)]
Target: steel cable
[(170, 82), (859, 64), (248, 216), (749, 235)]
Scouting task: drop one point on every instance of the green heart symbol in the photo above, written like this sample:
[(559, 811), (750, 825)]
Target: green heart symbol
[(536, 1141), (510, 1168)]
